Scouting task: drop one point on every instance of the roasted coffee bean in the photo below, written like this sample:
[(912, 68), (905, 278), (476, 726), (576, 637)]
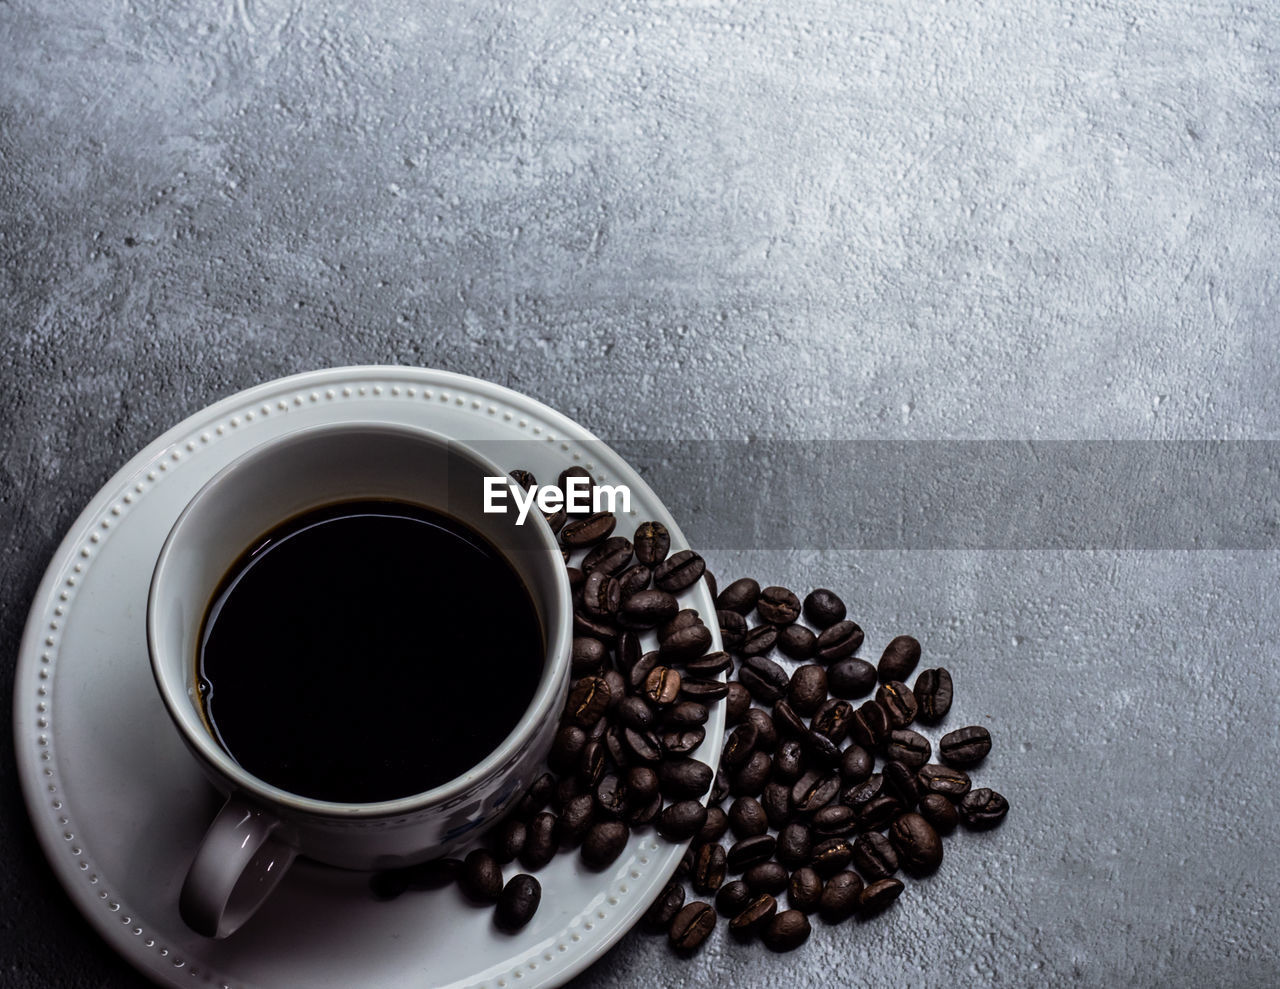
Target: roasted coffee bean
[(644, 813), (662, 686), (575, 820), (933, 695), (617, 688), (733, 628), (856, 764), (982, 809), (786, 932), (899, 703), (576, 580), (556, 519), (609, 556), (714, 828), (766, 877), (587, 655), (746, 852), (664, 909), (807, 689), (766, 731), (823, 608), (640, 670), (859, 795), (830, 856), (820, 749), (789, 763), (879, 896), (598, 628), (632, 581), (681, 619), (908, 747), (611, 795), (918, 845), (566, 748), (653, 542), (686, 714), (775, 798), (683, 741), (797, 642), (840, 897), (685, 645), (681, 779), (832, 719), (591, 762), (719, 788), (899, 659), (710, 665), (749, 779), (778, 606), (738, 746), (900, 782), (518, 902), (679, 571), (691, 926), (766, 680), (581, 493), (732, 898), (604, 843), (629, 651), (747, 818), (850, 678), (877, 813), (703, 690), (840, 641), (436, 874), (523, 478), (640, 746), (804, 890), (587, 701), (540, 842), (616, 745), (758, 640), (754, 916), (869, 725), (685, 865), (940, 812), (635, 712), (965, 747), (949, 782), (568, 788), (813, 791), (646, 608), (642, 783), (787, 722), (481, 877), (601, 594), (835, 821), (680, 821), (740, 596), (507, 840), (874, 856), (709, 864), (588, 530)]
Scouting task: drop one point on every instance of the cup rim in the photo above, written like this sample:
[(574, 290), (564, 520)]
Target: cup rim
[(558, 629)]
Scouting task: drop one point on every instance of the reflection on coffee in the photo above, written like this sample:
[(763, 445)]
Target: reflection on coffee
[(367, 651)]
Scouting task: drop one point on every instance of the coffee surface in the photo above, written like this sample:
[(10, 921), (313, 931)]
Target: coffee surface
[(368, 651)]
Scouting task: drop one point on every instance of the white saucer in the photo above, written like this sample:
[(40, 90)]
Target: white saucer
[(119, 805)]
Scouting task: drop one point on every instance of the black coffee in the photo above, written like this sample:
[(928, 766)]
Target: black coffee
[(367, 651)]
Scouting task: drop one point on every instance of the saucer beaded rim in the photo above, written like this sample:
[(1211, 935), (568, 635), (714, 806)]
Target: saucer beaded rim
[(626, 890)]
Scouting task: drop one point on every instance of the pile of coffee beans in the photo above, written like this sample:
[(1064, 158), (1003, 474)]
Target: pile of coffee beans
[(829, 800)]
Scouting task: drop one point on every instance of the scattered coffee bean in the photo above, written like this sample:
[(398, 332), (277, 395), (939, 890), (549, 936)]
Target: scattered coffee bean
[(604, 843), (804, 890), (775, 798), (898, 703), (556, 519), (642, 783), (789, 763), (840, 641), (823, 608), (436, 874), (835, 821), (586, 656), (778, 606), (940, 812), (523, 478), (869, 725), (566, 748), (575, 820), (900, 782), (820, 749), (795, 844), (540, 842), (786, 720), (691, 925), (640, 670), (518, 902), (840, 897), (747, 818), (830, 856), (719, 788), (851, 678), (766, 877), (807, 689), (877, 813), (832, 719), (733, 628), (481, 878), (678, 571), (740, 596), (611, 795), (508, 840), (609, 556), (715, 827), (680, 821), (879, 896), (587, 701), (591, 762), (797, 642), (683, 741), (786, 932), (949, 782), (645, 813), (684, 778), (635, 712), (664, 909), (758, 640), (662, 686), (908, 747), (732, 898), (601, 594), (709, 866), (899, 659), (749, 779), (813, 791), (738, 746), (766, 731), (874, 856), (647, 608), (599, 628), (965, 747), (702, 690), (754, 916), (765, 679), (576, 579), (632, 581), (588, 530), (933, 695), (652, 543), (919, 847), (710, 665), (856, 764), (746, 852), (982, 809)]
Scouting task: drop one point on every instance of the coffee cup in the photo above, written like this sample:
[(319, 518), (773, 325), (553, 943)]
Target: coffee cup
[(262, 827)]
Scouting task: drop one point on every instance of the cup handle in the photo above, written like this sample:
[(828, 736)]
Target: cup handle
[(239, 863)]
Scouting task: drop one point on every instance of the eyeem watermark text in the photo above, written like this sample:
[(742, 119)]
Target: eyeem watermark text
[(579, 496)]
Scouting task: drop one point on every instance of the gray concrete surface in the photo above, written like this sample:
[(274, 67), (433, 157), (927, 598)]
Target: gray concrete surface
[(751, 221)]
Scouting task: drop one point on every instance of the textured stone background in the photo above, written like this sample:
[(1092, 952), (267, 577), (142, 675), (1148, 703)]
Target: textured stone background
[(869, 220)]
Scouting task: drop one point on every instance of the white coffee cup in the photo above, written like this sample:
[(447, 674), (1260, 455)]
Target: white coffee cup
[(261, 828)]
